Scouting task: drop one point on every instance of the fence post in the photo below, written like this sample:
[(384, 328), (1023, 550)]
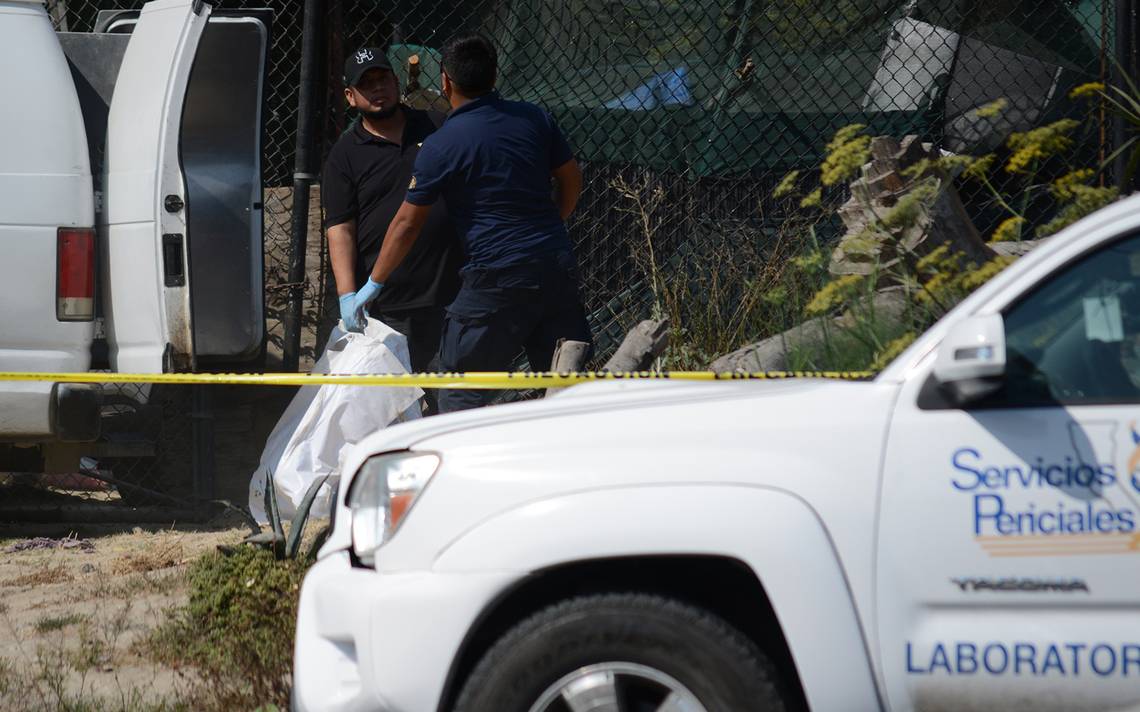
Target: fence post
[(1125, 64), (303, 177)]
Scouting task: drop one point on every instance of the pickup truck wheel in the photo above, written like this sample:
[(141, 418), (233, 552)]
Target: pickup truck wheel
[(622, 653)]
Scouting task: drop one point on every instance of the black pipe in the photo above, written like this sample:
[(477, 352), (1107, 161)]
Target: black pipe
[(1125, 56), (202, 464), (303, 177)]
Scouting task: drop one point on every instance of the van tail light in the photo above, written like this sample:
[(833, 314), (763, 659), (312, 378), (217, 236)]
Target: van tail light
[(75, 274)]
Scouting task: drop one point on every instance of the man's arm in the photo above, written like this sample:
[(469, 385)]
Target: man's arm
[(342, 255), (569, 178), (398, 240)]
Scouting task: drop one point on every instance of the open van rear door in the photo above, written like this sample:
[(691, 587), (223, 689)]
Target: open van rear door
[(145, 259)]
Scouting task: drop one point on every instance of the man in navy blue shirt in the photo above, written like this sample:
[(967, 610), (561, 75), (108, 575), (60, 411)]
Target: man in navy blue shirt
[(492, 162)]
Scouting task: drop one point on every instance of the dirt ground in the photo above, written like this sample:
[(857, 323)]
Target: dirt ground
[(72, 609)]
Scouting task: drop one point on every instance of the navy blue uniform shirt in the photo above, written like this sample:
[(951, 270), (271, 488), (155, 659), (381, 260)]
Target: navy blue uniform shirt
[(491, 162)]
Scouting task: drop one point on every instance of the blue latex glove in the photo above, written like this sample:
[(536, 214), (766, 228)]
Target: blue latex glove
[(364, 297), (348, 313)]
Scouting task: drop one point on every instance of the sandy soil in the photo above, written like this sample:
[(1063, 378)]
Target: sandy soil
[(77, 605)]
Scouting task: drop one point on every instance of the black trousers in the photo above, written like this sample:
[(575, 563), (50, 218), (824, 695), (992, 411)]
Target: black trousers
[(423, 328), (500, 313)]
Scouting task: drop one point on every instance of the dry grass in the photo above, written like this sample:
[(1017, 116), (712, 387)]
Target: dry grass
[(162, 556), (72, 619), (45, 575)]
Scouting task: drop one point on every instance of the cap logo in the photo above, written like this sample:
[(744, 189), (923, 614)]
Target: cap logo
[(363, 55), (412, 184)]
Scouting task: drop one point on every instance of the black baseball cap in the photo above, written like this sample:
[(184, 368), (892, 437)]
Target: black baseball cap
[(361, 61)]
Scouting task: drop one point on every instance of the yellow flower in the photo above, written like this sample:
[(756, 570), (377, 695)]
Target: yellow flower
[(992, 109), (1009, 230), (1041, 143), (979, 167), (786, 185), (912, 207), (844, 135), (846, 154), (775, 296), (1067, 186), (1080, 200), (891, 350), (935, 286), (833, 294), (809, 262), (867, 241), (1085, 90), (933, 260), (812, 199), (975, 278), (955, 161)]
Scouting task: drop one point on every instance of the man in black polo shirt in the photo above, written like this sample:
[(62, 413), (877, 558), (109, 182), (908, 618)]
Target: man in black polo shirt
[(362, 187), (492, 162)]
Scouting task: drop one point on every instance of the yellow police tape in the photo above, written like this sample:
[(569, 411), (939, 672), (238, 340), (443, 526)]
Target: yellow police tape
[(485, 379)]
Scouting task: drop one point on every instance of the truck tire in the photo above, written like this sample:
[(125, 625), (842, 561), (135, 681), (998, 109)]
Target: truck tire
[(637, 650)]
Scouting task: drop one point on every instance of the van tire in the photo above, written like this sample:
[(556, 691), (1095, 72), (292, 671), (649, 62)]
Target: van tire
[(722, 668)]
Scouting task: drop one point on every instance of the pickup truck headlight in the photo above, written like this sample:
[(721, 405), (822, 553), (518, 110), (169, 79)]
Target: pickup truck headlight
[(382, 494)]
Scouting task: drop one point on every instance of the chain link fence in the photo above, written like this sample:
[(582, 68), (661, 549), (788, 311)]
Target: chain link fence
[(684, 115)]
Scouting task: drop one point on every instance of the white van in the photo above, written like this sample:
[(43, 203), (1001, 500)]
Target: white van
[(130, 205), (47, 232)]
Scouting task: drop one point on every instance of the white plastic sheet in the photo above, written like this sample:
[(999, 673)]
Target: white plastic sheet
[(322, 422)]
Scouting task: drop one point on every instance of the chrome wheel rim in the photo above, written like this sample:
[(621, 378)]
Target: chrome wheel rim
[(617, 687)]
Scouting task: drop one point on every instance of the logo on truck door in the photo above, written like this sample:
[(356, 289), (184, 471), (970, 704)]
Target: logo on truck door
[(1077, 503), (1134, 459), (1020, 585)]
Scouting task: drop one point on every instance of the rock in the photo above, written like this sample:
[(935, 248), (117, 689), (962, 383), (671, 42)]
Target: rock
[(771, 354), (569, 356), (882, 186), (1014, 248), (642, 344)]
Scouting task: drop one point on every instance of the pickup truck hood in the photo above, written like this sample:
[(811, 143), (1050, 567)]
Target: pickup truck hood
[(819, 439), (582, 399)]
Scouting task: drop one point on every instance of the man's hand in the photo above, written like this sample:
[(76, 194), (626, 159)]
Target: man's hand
[(364, 297), (348, 313)]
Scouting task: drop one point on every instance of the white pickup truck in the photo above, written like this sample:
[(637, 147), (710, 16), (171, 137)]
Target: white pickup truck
[(130, 207), (957, 533)]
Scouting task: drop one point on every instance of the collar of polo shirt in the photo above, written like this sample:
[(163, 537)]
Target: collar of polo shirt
[(483, 100)]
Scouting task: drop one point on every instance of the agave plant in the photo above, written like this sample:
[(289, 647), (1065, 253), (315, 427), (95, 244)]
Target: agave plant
[(287, 547), (1122, 100)]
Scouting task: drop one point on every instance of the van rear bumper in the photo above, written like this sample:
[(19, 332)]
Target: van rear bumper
[(45, 412), (76, 409)]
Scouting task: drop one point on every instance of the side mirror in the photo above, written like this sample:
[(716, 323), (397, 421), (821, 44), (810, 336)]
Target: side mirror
[(971, 359)]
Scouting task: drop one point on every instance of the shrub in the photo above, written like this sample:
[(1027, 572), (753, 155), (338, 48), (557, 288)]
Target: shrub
[(237, 629)]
